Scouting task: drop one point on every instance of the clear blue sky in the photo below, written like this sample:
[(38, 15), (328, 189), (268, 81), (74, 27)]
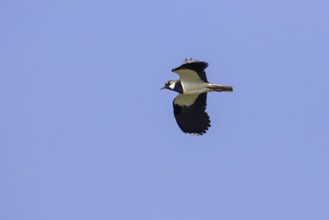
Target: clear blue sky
[(86, 133)]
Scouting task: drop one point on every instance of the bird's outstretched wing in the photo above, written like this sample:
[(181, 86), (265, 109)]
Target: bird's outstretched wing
[(190, 113), (192, 70)]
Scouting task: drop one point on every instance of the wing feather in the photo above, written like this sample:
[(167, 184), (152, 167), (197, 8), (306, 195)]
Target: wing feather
[(190, 113), (192, 70)]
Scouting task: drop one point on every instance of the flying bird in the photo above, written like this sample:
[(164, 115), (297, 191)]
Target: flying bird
[(191, 102)]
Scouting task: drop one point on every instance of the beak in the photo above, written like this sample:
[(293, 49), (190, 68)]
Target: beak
[(163, 87)]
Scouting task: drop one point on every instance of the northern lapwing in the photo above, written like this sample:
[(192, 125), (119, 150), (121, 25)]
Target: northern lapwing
[(190, 104)]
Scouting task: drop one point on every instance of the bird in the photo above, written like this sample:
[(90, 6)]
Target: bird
[(191, 102)]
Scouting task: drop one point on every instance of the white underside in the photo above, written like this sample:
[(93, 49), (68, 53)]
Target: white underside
[(195, 87)]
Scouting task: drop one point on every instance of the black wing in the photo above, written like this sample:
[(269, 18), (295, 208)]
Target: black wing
[(192, 70), (191, 116)]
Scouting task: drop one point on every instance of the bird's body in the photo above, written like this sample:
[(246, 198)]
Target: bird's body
[(190, 104), (195, 87)]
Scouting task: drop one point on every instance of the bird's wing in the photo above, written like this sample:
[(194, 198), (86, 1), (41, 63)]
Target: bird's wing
[(190, 113), (192, 70)]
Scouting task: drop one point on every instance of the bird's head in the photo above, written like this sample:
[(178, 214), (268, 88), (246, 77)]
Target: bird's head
[(170, 85)]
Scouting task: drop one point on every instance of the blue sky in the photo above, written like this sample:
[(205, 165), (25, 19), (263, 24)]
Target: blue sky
[(86, 132)]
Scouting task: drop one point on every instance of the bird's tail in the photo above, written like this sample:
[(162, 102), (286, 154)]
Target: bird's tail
[(219, 88)]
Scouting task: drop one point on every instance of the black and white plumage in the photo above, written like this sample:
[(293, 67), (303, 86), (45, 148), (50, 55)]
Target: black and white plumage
[(191, 102)]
